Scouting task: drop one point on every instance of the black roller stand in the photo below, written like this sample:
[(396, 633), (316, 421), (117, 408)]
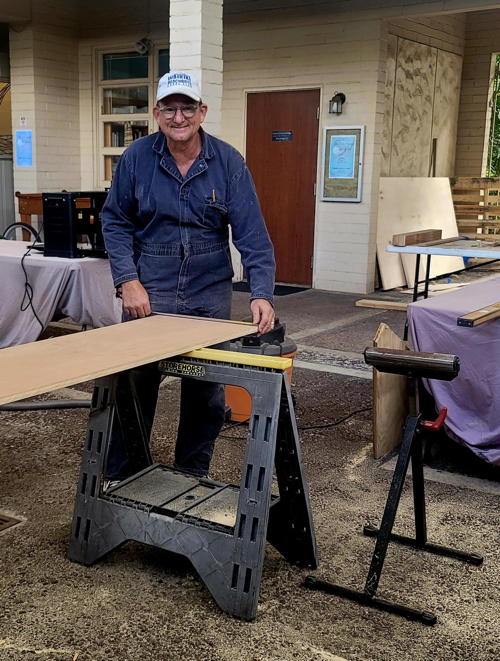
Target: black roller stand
[(413, 365)]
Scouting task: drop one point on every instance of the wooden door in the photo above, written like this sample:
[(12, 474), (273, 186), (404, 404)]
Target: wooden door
[(281, 152)]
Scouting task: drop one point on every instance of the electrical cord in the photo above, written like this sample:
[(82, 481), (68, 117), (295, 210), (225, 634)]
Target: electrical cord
[(27, 301), (233, 425), (337, 422), (325, 426)]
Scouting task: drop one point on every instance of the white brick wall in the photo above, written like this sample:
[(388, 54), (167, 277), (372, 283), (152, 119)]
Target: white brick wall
[(296, 50), (313, 46), (57, 110), (45, 91), (87, 118), (22, 74)]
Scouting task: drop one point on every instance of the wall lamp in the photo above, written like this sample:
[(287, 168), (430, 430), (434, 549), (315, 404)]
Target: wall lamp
[(336, 102), (143, 46)]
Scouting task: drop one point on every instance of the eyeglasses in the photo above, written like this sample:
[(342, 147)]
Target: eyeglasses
[(170, 111)]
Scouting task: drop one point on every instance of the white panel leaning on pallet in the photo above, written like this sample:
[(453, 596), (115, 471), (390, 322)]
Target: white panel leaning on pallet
[(410, 204)]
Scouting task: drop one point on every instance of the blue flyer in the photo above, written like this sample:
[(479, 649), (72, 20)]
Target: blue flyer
[(342, 157), (24, 149)]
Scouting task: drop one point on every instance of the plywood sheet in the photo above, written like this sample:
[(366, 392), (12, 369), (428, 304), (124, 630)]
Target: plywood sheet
[(422, 99), (413, 102), (390, 79), (445, 114), (390, 398), (38, 367), (409, 204), (380, 304)]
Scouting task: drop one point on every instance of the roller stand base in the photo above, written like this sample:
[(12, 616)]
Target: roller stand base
[(373, 602), (437, 549)]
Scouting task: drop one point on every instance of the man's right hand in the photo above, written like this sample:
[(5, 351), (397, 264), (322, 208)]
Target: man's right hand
[(135, 300)]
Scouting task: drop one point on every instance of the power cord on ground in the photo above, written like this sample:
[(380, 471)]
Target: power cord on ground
[(337, 422), (325, 426)]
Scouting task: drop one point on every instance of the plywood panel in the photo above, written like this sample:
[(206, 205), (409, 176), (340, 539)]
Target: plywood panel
[(413, 101), (390, 79), (38, 367), (445, 115), (409, 204), (390, 398)]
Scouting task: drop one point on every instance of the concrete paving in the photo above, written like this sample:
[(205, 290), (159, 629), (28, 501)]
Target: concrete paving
[(142, 604)]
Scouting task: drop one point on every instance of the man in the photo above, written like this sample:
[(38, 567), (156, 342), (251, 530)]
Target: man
[(174, 195)]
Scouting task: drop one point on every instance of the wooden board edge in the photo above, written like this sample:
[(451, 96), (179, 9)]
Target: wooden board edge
[(381, 304), (390, 398)]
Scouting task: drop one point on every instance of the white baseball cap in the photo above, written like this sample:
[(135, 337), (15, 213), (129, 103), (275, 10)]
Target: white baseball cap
[(178, 82)]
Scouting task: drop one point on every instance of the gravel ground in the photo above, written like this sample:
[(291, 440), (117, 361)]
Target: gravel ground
[(144, 604)]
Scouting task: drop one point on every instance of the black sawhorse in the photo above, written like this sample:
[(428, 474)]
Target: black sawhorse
[(220, 528), (414, 365)]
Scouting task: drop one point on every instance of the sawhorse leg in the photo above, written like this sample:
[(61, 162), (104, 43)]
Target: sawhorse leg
[(290, 524), (115, 410)]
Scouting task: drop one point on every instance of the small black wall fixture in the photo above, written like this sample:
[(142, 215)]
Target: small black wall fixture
[(143, 46), (336, 102)]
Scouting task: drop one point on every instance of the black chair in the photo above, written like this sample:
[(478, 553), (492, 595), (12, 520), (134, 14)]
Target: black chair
[(10, 231)]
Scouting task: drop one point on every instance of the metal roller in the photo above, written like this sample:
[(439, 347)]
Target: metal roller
[(442, 366)]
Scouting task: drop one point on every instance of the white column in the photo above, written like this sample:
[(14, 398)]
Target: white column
[(196, 47)]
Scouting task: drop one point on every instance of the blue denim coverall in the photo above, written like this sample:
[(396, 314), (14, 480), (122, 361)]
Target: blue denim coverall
[(171, 233)]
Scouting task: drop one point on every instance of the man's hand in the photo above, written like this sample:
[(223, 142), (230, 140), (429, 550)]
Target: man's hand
[(262, 314), (135, 299)]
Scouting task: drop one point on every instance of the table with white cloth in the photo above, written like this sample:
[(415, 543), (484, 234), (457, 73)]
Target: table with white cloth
[(473, 398), (80, 288)]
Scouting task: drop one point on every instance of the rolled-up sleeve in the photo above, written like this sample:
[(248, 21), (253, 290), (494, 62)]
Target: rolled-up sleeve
[(249, 233), (118, 225)]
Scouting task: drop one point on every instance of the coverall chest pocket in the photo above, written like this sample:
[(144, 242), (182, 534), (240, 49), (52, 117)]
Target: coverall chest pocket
[(214, 213)]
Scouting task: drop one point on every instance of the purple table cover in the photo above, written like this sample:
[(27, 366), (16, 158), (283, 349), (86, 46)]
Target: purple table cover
[(473, 397)]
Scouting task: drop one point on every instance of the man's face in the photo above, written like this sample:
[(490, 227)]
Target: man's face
[(176, 125)]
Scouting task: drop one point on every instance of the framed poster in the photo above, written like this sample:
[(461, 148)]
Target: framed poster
[(342, 164)]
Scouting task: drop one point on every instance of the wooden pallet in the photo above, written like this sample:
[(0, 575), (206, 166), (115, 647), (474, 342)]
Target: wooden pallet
[(477, 205)]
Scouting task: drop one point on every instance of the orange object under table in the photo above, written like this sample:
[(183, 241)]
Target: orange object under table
[(239, 400)]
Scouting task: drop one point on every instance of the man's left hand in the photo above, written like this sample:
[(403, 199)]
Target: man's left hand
[(262, 314)]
